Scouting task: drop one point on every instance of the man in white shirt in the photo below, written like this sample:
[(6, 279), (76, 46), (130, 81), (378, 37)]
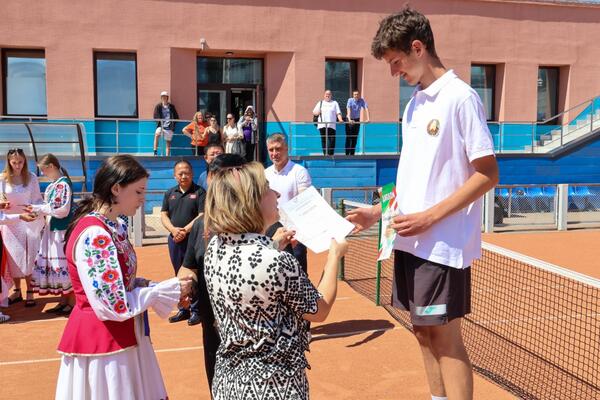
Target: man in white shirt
[(328, 110), (288, 179), (447, 164)]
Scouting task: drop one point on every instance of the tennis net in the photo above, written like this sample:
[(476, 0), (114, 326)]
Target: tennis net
[(534, 328)]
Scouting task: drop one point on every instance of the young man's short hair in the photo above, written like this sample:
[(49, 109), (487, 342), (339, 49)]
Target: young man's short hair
[(398, 31), (278, 138)]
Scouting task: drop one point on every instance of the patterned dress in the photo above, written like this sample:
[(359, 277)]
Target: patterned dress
[(21, 239), (258, 295), (50, 272), (106, 267)]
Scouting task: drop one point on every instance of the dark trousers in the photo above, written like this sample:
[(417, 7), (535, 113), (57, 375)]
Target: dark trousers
[(300, 254), (327, 140), (352, 136), (177, 253), (198, 151), (250, 151), (210, 335)]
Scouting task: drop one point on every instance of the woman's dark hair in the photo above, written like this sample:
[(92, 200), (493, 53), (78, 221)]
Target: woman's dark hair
[(120, 170), (50, 159), (398, 31), (223, 161)]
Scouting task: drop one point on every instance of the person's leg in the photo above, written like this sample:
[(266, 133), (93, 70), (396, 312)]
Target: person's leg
[(331, 142), (156, 136), (323, 133), (441, 296), (210, 341), (172, 253), (432, 366), (167, 148), (16, 295), (454, 364)]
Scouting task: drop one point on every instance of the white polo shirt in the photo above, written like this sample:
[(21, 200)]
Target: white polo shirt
[(444, 128), (288, 182)]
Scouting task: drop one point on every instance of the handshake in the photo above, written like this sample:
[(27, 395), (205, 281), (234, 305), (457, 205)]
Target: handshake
[(28, 215)]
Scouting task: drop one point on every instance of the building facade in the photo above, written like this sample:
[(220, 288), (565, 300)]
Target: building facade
[(529, 60)]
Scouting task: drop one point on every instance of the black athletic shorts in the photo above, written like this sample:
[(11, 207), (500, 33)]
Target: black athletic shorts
[(434, 294)]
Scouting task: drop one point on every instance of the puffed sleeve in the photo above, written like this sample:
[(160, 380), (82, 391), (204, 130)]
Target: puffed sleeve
[(36, 194), (297, 292), (6, 219), (58, 204), (100, 274)]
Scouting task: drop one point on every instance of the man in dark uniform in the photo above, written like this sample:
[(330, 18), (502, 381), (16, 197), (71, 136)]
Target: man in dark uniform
[(182, 205)]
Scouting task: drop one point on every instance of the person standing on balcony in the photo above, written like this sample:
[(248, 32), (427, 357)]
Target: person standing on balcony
[(354, 110), (248, 125), (196, 131), (447, 164), (327, 110), (182, 205), (288, 179), (234, 138), (166, 113)]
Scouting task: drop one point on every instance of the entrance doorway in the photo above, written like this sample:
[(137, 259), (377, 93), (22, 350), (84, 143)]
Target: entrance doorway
[(240, 99)]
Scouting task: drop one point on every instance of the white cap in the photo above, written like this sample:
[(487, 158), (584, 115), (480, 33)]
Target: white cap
[(164, 93)]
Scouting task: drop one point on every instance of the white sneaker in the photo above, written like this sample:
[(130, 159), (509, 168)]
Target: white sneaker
[(4, 317)]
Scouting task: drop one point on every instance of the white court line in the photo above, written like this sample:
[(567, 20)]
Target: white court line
[(178, 349)]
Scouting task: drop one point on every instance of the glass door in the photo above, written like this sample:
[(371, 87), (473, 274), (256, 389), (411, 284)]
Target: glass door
[(214, 102), (240, 99)]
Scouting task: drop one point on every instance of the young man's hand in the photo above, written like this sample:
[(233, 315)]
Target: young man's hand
[(413, 224)]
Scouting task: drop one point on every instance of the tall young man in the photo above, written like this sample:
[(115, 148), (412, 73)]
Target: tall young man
[(447, 164)]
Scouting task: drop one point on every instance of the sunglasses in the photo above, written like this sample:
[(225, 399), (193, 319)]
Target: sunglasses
[(13, 151), (229, 118)]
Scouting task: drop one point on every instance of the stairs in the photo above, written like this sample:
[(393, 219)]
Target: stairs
[(566, 134)]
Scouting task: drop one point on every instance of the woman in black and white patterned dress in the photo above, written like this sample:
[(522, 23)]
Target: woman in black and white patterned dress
[(260, 295)]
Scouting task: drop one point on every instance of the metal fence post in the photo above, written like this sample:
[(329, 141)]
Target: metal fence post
[(327, 194), (378, 276), (117, 135), (138, 227), (563, 206), (488, 214)]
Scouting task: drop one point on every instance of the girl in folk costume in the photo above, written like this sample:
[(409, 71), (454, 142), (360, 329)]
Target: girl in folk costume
[(21, 239), (50, 273), (107, 353)]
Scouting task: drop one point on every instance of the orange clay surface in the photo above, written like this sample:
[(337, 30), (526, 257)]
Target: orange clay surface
[(360, 352)]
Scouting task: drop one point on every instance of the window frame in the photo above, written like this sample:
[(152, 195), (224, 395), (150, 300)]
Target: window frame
[(556, 112), (493, 80), (353, 79), (115, 55), (25, 53)]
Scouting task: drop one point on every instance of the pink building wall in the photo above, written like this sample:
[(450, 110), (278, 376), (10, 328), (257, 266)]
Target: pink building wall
[(295, 38)]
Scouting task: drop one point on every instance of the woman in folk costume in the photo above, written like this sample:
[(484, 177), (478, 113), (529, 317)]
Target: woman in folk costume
[(5, 279), (107, 353), (50, 273), (21, 239)]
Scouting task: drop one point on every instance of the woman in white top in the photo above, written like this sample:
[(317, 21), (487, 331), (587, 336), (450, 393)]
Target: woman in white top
[(234, 139), (21, 239)]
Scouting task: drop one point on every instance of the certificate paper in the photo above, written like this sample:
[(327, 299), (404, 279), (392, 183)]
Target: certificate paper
[(389, 209), (314, 221)]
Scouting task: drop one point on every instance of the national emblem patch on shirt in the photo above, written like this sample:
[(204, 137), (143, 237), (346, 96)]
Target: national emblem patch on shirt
[(193, 196), (433, 127)]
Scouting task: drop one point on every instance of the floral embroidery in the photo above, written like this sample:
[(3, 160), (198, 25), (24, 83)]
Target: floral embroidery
[(120, 307), (57, 194), (110, 276), (101, 241), (101, 256)]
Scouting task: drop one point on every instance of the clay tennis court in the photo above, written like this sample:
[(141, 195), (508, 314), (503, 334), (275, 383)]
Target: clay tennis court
[(361, 352)]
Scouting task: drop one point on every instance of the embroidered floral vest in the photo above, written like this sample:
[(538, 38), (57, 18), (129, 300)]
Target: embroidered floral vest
[(85, 334)]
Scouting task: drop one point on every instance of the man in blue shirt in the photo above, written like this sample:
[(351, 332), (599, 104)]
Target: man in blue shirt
[(353, 108)]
